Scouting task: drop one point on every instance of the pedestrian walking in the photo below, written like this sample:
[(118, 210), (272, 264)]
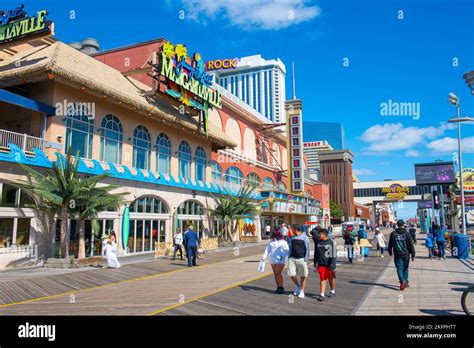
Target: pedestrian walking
[(325, 264), (401, 246), (111, 251), (362, 234), (278, 250), (284, 231), (349, 241), (412, 231), (178, 244), (192, 242), (380, 242), (430, 243), (330, 234), (298, 260), (268, 231), (440, 241)]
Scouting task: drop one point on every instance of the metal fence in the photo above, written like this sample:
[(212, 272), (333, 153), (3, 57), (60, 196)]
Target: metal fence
[(23, 141)]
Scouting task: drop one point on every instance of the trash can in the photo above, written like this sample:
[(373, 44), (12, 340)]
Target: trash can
[(460, 246)]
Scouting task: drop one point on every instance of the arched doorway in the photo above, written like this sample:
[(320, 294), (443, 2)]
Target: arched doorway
[(149, 216), (192, 213)]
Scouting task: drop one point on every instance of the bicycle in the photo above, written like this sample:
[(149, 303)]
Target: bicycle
[(467, 300)]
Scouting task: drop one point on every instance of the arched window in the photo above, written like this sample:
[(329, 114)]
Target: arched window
[(281, 186), (141, 148), (216, 173), (79, 130), (200, 162), (149, 205), (163, 154), (111, 136), (233, 175), (184, 157), (253, 179), (268, 183), (191, 208)]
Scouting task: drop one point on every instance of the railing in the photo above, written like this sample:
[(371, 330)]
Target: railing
[(23, 141)]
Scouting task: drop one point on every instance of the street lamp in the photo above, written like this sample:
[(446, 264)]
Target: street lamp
[(454, 99)]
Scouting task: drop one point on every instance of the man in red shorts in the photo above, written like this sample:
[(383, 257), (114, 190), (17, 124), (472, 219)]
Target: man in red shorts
[(325, 263)]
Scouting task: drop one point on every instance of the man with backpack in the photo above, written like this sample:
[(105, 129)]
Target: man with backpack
[(401, 246)]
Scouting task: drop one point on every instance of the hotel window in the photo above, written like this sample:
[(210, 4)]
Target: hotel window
[(184, 157), (247, 88), (233, 175), (271, 95), (79, 130), (242, 87), (141, 148), (254, 82), (259, 91), (216, 173), (253, 179), (200, 162), (111, 136), (163, 154)]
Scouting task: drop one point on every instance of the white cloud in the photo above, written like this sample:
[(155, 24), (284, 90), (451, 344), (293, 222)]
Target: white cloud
[(363, 172), (449, 145), (412, 153), (252, 14), (395, 137)]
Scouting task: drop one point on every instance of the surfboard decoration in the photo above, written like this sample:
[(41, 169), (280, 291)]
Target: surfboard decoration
[(125, 227)]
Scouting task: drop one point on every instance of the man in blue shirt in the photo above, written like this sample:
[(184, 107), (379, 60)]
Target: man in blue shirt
[(192, 241), (298, 260)]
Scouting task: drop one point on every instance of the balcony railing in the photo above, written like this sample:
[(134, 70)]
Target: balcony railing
[(23, 141)]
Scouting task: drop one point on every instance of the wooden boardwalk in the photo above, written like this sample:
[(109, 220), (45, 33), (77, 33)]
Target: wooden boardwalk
[(32, 284)]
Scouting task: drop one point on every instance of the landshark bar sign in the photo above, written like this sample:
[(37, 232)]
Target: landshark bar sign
[(15, 24)]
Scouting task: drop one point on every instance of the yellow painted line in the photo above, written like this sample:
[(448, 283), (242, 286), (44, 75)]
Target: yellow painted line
[(116, 283), (208, 294)]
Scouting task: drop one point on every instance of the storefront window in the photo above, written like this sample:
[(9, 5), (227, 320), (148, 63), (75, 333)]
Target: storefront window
[(200, 164), (111, 135), (6, 232), (79, 130), (141, 148), (184, 156), (163, 154)]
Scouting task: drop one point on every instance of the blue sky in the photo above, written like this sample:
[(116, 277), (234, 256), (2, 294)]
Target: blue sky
[(418, 55)]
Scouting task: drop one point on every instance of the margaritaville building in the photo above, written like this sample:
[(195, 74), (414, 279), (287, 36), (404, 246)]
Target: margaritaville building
[(156, 141)]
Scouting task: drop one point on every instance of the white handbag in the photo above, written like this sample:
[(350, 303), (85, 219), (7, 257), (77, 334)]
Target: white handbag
[(261, 266)]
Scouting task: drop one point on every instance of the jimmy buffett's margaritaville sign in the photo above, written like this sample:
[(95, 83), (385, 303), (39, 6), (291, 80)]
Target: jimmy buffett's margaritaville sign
[(15, 24), (192, 83)]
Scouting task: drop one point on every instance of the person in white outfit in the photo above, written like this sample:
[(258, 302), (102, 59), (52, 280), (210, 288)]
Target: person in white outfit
[(111, 252), (380, 242), (278, 251)]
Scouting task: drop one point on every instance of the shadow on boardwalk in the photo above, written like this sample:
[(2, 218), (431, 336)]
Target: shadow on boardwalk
[(391, 287)]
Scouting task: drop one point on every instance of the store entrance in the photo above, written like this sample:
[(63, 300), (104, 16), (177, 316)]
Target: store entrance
[(144, 233)]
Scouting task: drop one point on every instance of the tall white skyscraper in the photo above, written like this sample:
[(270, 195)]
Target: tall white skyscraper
[(258, 82)]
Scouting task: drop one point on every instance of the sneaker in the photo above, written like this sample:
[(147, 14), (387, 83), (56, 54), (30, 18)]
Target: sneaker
[(320, 298), (331, 294), (297, 290), (382, 256), (301, 294), (403, 285), (280, 291)]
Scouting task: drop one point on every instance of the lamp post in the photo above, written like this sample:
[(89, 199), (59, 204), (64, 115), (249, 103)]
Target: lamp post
[(453, 99)]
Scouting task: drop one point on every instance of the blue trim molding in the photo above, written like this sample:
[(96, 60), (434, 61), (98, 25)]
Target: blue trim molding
[(16, 155)]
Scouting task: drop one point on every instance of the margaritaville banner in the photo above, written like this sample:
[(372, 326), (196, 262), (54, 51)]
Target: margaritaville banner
[(189, 75), (15, 24)]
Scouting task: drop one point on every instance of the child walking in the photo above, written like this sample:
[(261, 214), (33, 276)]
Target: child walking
[(380, 242)]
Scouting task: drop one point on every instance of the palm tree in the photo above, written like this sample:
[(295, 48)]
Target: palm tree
[(231, 209), (57, 192), (90, 203)]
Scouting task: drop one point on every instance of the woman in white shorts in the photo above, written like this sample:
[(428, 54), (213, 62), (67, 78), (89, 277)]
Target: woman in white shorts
[(278, 251)]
